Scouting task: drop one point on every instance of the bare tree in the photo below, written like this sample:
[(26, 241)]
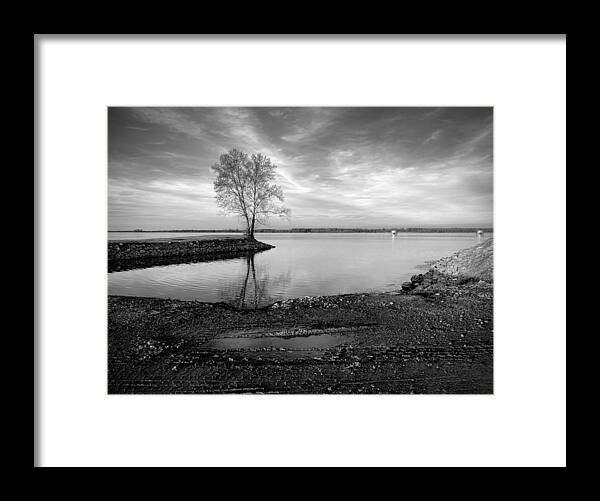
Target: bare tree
[(244, 186)]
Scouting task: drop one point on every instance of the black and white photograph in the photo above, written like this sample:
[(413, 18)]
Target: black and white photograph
[(300, 250)]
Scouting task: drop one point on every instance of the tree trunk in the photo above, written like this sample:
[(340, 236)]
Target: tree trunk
[(251, 232), (248, 228)]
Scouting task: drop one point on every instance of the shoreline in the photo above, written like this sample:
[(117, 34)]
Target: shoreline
[(131, 254), (432, 336)]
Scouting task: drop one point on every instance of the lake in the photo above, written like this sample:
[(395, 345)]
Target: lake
[(301, 264)]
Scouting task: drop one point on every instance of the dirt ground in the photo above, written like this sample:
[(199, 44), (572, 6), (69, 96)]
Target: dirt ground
[(437, 339)]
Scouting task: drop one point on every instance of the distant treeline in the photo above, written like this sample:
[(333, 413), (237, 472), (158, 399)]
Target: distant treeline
[(323, 230)]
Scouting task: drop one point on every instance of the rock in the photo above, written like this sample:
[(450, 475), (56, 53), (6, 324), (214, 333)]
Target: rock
[(417, 279), (407, 286)]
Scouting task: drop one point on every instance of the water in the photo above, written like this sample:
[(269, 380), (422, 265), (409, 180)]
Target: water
[(314, 342), (302, 264)]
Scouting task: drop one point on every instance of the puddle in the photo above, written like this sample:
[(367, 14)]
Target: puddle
[(300, 343)]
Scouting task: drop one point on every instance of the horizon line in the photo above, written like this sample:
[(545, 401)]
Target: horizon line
[(385, 228)]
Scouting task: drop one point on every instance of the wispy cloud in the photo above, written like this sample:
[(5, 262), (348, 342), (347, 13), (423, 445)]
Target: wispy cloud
[(434, 135)]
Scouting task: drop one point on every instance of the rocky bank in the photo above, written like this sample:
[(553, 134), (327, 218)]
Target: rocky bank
[(475, 262), (129, 254)]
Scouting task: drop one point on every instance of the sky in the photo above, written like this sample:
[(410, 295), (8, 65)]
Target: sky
[(338, 167)]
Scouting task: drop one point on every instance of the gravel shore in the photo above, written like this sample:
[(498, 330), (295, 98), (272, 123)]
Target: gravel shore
[(131, 254)]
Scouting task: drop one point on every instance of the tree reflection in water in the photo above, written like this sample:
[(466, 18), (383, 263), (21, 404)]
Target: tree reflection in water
[(257, 287)]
